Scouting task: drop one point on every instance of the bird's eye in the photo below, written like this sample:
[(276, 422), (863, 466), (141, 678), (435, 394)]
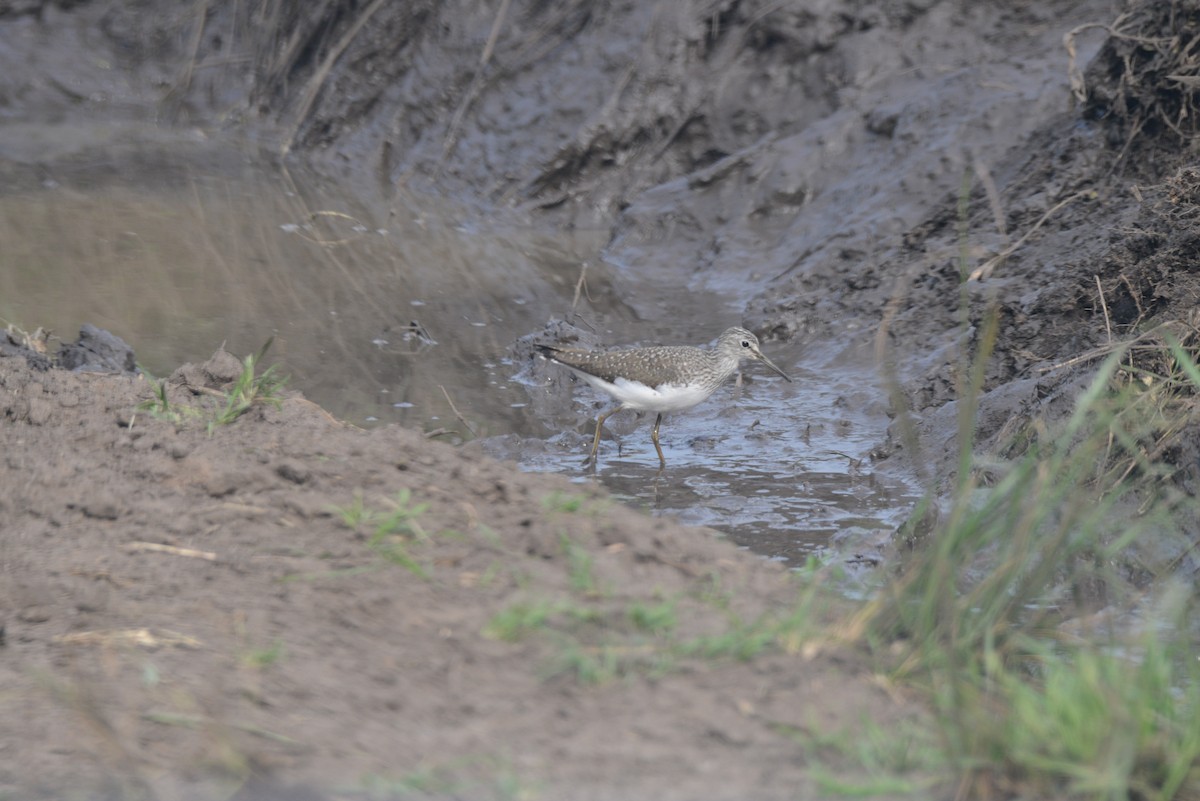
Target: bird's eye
[(745, 343)]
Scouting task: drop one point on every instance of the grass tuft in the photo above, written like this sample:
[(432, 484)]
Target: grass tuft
[(1059, 661), (393, 530), (248, 391), (1036, 604), (251, 389)]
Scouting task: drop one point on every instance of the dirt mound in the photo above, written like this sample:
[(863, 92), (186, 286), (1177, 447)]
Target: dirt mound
[(291, 601)]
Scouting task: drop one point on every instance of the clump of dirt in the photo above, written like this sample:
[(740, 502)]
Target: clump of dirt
[(289, 601), (1152, 270), (97, 349), (1145, 81), (31, 347)]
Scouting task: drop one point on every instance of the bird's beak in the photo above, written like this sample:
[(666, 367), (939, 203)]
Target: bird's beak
[(771, 364)]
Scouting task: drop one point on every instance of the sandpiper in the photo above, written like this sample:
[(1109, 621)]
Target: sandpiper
[(659, 379)]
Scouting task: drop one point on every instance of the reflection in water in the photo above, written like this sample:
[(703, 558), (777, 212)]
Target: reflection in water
[(408, 312)]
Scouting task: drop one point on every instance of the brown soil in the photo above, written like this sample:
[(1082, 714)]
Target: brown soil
[(186, 614)]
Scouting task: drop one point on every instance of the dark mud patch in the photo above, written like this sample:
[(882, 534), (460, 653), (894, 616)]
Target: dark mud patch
[(1081, 238), (1143, 84), (1151, 272)]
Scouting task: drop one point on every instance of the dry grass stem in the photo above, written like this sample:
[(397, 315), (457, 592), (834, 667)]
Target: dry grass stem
[(984, 271), (157, 547), (140, 637), (457, 414)]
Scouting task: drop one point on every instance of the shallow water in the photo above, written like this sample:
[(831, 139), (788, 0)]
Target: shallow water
[(780, 468), (408, 314)]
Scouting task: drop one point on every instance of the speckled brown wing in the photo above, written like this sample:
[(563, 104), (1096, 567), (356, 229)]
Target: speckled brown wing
[(650, 366)]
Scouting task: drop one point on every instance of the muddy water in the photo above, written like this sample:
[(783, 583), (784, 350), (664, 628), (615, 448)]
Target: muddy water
[(408, 314), (779, 467), (371, 310)]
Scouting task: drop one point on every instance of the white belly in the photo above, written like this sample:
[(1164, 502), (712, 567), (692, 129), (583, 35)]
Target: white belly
[(639, 397)]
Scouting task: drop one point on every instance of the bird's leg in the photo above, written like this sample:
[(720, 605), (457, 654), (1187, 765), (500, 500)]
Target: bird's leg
[(596, 439), (654, 436)]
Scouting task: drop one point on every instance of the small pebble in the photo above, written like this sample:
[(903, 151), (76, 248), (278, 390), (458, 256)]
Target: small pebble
[(293, 471), (100, 509)]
